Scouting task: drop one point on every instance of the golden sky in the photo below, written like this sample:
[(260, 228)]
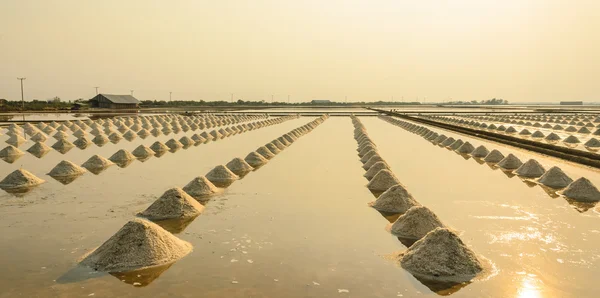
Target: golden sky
[(519, 50)]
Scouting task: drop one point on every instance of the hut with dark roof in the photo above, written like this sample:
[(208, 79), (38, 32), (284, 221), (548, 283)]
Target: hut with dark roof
[(112, 101)]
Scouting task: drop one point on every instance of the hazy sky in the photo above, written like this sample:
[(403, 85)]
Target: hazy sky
[(519, 50)]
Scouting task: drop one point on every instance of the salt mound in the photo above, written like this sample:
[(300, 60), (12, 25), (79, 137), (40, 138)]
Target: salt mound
[(531, 169), (582, 190), (375, 168), (416, 223), (97, 162), (494, 156), (572, 140), (159, 147), (255, 160), (456, 144), (525, 132), (592, 143), (63, 146), (278, 144), (198, 139), (465, 148), (174, 203), (66, 168), (394, 200), (441, 255), (372, 161), (10, 150), (555, 178), (368, 156), (38, 149), (537, 134), (200, 187), (122, 156), (266, 153), (83, 142), (273, 148), (143, 152), (221, 175), (173, 144), (20, 179), (138, 244), (100, 139), (115, 137), (510, 162), (382, 181), (447, 142), (129, 135), (239, 166), (16, 140), (480, 152), (552, 137), (39, 137)]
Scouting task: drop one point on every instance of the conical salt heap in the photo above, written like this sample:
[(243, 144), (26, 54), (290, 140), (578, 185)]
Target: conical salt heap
[(16, 140), (39, 137), (368, 156), (555, 178), (138, 244), (571, 140), (415, 223), (97, 163), (200, 187), (494, 156), (510, 162), (122, 156), (266, 153), (592, 143), (394, 200), (382, 181), (115, 137), (206, 136), (552, 137), (531, 169), (142, 152), (456, 144), (480, 152), (66, 168), (372, 161), (441, 255), (10, 151), (173, 144), (63, 146), (278, 144), (100, 140), (143, 133), (129, 135), (174, 203), (272, 148), (255, 160), (38, 149), (375, 168), (20, 179), (221, 176), (159, 147), (447, 142), (186, 142), (582, 190), (198, 139), (239, 166), (465, 148)]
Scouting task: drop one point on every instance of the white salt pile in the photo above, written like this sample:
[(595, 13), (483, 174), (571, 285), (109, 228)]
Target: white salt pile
[(465, 148), (510, 162), (592, 143), (38, 149), (143, 152), (82, 143), (173, 144), (16, 140), (200, 187), (186, 141), (372, 161), (582, 190), (122, 156), (221, 176), (571, 140), (63, 146), (552, 137), (198, 139), (382, 181), (441, 255), (555, 178), (138, 244), (273, 148), (174, 203), (531, 169), (278, 144), (143, 133), (525, 132), (96, 163), (368, 156), (375, 168), (39, 137), (480, 152), (239, 166), (537, 134), (115, 137), (266, 153), (494, 156), (394, 200), (20, 179), (66, 168), (129, 135), (255, 160), (416, 223), (100, 139), (10, 151), (158, 147)]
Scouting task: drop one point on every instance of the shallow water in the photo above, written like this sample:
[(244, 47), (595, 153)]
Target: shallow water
[(298, 226)]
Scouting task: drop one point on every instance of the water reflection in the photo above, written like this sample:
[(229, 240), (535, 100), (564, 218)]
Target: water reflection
[(529, 288), (65, 180), (175, 225), (442, 288), (581, 207), (123, 163)]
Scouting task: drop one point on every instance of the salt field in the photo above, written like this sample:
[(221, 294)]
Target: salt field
[(258, 205)]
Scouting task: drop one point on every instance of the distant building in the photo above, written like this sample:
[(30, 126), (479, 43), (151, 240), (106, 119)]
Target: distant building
[(571, 103), (320, 102), (111, 101)]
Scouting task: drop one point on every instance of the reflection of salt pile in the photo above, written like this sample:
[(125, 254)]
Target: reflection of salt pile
[(10, 151), (395, 200), (138, 244), (583, 190), (66, 168), (416, 223), (142, 152), (20, 179), (555, 178), (200, 187), (373, 170), (174, 203), (255, 160), (531, 169), (221, 175), (382, 181), (441, 255), (494, 156), (122, 156), (239, 166)]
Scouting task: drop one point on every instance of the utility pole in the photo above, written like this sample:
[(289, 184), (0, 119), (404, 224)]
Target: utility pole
[(346, 99), (231, 97), (271, 98), (288, 99), (131, 92), (170, 93), (22, 96), (96, 90)]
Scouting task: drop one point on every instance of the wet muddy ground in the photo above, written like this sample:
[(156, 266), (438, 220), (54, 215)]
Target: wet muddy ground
[(300, 225)]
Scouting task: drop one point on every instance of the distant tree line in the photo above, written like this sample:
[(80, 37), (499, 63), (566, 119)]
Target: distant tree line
[(188, 103), (35, 105), (493, 101)]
